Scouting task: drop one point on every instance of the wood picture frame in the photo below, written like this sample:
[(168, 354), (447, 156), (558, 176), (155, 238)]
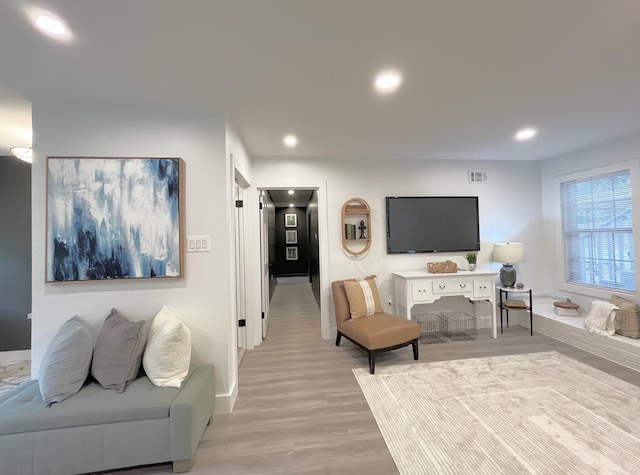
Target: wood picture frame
[(114, 218)]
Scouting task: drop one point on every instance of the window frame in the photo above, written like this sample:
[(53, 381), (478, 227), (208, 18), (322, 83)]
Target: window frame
[(633, 167)]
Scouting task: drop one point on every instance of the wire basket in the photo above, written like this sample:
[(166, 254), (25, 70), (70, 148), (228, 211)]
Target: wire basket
[(430, 327), (458, 325)]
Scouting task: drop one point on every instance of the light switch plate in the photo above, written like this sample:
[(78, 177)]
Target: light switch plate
[(198, 243)]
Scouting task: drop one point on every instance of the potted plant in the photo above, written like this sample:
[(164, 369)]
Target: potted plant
[(471, 258)]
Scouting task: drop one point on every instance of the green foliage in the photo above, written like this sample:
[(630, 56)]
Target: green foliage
[(471, 257)]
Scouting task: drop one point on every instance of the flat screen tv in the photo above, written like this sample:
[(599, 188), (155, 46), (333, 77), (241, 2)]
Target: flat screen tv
[(432, 224)]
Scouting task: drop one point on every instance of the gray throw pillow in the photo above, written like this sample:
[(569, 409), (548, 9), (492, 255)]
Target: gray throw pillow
[(117, 355), (65, 364)]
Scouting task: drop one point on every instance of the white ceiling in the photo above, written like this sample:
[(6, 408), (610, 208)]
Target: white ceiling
[(474, 71)]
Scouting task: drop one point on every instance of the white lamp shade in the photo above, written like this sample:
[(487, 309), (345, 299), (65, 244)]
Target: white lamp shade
[(508, 252)]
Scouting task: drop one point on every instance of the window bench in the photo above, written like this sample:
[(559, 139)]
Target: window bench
[(617, 348)]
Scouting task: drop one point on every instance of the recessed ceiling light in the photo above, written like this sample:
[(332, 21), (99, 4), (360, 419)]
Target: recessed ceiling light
[(291, 192), (290, 141), (290, 205), (525, 134), (387, 82), (50, 24), (23, 153)]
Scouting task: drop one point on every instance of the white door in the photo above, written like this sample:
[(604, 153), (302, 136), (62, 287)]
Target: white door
[(264, 262), (240, 269)]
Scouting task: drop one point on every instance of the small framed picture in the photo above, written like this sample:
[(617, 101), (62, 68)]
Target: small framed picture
[(291, 236), (292, 253), (291, 220)]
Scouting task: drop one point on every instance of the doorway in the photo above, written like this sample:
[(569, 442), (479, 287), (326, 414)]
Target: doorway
[(15, 256), (289, 242)]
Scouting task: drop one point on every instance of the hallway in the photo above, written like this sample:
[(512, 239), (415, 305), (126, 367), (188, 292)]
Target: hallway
[(299, 409)]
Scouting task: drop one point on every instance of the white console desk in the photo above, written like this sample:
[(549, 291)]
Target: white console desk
[(418, 287)]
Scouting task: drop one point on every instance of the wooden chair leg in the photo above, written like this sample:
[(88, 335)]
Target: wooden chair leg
[(415, 349), (338, 338), (372, 361)]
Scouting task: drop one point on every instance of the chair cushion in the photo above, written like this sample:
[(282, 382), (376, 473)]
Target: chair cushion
[(380, 330), (363, 296), (22, 408)]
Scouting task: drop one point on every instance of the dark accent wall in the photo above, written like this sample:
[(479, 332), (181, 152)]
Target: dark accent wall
[(15, 254), (284, 267), (314, 246)]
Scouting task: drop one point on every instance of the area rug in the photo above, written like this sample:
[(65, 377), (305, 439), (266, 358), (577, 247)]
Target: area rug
[(540, 413)]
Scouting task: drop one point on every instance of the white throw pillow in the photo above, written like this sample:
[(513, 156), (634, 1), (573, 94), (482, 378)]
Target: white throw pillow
[(168, 353)]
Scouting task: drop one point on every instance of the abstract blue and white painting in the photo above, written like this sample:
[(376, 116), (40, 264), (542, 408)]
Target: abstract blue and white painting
[(113, 218)]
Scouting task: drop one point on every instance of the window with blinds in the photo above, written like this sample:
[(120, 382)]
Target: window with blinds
[(598, 231)]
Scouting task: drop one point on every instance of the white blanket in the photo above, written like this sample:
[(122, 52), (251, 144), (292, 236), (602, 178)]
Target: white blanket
[(601, 318)]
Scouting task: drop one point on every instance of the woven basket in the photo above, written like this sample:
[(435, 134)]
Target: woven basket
[(446, 267)]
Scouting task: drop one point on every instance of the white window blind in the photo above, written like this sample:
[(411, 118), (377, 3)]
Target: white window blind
[(598, 231)]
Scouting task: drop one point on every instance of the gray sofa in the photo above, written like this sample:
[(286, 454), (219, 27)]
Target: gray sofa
[(99, 429)]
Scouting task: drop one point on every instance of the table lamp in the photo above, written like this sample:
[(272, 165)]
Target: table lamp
[(508, 253)]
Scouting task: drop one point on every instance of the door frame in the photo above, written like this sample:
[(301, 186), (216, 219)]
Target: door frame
[(323, 236), (265, 272), (240, 193)]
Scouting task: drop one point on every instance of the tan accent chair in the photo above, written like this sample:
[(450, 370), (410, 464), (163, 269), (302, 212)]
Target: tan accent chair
[(373, 333)]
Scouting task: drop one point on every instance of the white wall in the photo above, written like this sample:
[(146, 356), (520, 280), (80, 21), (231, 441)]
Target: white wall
[(235, 146), (241, 163), (510, 209), (626, 148), (202, 298)]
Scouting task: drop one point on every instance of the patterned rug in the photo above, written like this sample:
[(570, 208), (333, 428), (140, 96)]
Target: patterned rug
[(12, 373), (540, 413)]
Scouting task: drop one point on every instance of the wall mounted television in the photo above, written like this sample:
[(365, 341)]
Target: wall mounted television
[(432, 224)]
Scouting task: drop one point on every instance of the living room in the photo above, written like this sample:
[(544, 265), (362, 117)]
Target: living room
[(516, 203), (109, 113)]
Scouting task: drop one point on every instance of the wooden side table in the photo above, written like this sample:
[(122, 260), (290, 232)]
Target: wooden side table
[(507, 304)]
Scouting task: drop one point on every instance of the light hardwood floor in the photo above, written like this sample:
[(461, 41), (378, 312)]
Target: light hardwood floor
[(300, 409)]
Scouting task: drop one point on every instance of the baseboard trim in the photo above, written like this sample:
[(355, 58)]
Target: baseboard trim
[(18, 355), (225, 402)]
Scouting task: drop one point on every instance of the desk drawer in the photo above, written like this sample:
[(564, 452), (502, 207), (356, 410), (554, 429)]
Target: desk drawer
[(452, 286), (421, 291), (482, 288)]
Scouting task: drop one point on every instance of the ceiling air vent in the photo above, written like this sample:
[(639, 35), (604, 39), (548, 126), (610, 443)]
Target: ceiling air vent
[(477, 177)]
